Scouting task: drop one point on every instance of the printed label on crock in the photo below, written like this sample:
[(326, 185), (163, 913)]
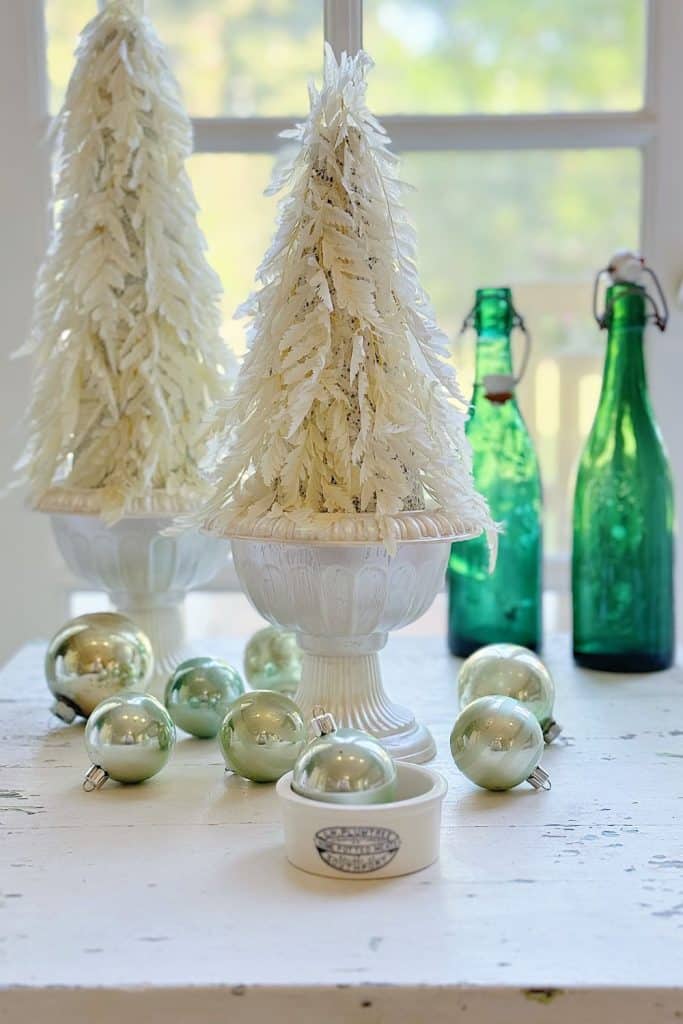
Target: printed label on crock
[(357, 849)]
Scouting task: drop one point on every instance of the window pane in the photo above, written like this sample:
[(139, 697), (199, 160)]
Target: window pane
[(242, 57), (238, 221), (232, 57), (501, 56), (64, 19), (542, 223)]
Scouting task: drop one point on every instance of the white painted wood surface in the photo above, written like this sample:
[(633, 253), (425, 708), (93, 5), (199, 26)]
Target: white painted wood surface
[(172, 901)]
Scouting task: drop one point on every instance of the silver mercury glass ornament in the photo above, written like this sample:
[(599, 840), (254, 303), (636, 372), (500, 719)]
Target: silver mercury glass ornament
[(129, 738), (497, 744), (344, 766), (95, 656), (508, 670)]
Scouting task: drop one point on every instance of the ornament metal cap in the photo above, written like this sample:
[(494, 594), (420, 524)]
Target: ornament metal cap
[(94, 779), (540, 779), (551, 730), (64, 709), (323, 723)]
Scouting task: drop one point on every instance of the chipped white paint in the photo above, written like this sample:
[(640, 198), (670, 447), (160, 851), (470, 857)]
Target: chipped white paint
[(172, 901)]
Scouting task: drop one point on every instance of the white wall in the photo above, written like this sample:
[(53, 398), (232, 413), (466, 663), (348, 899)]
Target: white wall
[(663, 237), (32, 601)]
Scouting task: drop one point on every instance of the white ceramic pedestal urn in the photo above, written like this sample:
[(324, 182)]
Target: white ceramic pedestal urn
[(342, 595), (145, 574)]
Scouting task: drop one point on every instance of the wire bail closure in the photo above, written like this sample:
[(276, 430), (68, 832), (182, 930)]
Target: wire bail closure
[(627, 268), (517, 322)]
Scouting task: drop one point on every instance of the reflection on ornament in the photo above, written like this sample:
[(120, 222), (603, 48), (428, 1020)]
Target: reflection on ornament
[(199, 693), (129, 738), (497, 744), (262, 735), (344, 766), (272, 660), (93, 657), (507, 670)]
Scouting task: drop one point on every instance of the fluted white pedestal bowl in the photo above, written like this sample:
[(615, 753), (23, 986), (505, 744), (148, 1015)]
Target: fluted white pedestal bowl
[(343, 598), (145, 573)]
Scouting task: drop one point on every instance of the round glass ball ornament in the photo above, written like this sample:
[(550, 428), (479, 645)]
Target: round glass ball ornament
[(262, 735), (199, 693), (344, 766), (95, 656), (497, 743), (129, 738), (508, 670), (272, 660)]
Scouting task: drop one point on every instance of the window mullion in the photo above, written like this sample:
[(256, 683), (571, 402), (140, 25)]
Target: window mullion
[(457, 133), (344, 25), (662, 226)]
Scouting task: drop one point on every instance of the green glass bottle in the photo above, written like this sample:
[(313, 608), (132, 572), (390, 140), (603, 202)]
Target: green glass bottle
[(622, 559), (504, 606)]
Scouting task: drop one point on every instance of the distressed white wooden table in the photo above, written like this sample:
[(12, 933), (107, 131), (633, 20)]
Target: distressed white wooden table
[(173, 902)]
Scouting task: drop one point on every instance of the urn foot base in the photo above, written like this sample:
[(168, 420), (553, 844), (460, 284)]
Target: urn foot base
[(350, 688), (165, 627), (416, 745)]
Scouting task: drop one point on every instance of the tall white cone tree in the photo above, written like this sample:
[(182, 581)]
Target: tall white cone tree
[(344, 402), (126, 339)]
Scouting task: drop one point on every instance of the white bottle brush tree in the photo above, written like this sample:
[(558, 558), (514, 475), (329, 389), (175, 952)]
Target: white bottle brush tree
[(125, 337), (345, 403)]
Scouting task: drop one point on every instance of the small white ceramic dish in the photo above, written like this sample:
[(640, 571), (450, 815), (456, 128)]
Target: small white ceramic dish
[(368, 841)]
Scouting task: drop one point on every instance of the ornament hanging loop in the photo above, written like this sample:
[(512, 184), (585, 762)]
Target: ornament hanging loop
[(551, 730), (517, 322), (628, 268)]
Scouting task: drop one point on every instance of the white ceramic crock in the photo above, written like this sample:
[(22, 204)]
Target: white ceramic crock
[(369, 841)]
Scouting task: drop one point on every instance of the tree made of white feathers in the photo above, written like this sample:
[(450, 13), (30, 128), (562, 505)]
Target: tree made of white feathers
[(345, 402), (126, 330)]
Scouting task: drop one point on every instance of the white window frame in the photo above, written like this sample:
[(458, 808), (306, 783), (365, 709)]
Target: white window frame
[(41, 588)]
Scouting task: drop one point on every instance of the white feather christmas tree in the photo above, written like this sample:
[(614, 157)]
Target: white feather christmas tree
[(345, 403), (128, 354)]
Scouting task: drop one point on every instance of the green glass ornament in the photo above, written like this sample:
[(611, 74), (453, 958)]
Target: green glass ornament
[(262, 735), (95, 656), (199, 693), (507, 670), (503, 606), (344, 766), (272, 660), (623, 549), (497, 744), (129, 738)]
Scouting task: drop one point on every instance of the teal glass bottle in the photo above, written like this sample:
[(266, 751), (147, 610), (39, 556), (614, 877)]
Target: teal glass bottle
[(503, 606), (623, 549)]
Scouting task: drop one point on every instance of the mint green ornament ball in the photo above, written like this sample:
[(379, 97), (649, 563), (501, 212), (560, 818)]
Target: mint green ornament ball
[(272, 660), (497, 744), (129, 738), (199, 693), (344, 766), (508, 670), (262, 735)]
